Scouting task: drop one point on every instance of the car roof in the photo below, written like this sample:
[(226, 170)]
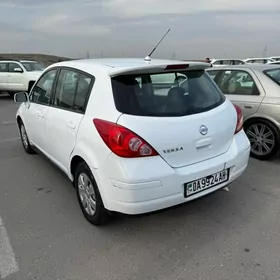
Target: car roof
[(257, 58), (257, 67), (227, 59), (28, 60), (120, 65)]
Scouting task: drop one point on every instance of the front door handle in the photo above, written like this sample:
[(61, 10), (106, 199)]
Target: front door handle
[(248, 106), (40, 114), (71, 125)]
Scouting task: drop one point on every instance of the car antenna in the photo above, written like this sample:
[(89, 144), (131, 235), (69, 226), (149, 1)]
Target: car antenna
[(148, 58)]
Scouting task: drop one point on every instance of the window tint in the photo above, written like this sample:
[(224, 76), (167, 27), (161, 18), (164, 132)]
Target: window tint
[(237, 82), (213, 73), (72, 90), (274, 75), (163, 95), (42, 91), (13, 66), (4, 67), (238, 62), (33, 66)]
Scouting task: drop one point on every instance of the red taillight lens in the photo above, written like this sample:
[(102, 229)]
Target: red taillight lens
[(122, 141), (239, 124), (176, 66)]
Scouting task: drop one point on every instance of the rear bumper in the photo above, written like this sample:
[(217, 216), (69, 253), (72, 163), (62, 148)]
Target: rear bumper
[(136, 186)]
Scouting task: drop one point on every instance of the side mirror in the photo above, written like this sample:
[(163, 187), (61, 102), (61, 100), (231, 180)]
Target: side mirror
[(18, 70), (21, 97)]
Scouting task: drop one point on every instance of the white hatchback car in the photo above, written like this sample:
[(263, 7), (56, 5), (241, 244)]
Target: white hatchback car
[(132, 135)]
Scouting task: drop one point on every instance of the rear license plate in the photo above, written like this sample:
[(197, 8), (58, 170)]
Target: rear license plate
[(202, 184)]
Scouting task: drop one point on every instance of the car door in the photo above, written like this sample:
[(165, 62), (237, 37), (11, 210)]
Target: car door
[(36, 110), (66, 113), (4, 72), (243, 89), (16, 79)]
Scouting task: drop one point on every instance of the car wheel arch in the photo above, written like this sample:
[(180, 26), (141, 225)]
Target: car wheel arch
[(260, 118)]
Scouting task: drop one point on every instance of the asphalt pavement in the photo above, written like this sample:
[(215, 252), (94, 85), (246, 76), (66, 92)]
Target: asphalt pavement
[(43, 235)]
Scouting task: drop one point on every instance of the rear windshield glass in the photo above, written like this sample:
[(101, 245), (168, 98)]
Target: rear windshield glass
[(274, 75), (166, 94)]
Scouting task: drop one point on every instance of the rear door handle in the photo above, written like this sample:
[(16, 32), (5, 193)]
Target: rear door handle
[(248, 106), (71, 125), (40, 114)]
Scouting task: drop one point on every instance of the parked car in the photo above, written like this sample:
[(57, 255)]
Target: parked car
[(259, 60), (256, 89), (275, 58), (129, 137), (274, 62), (218, 62), (17, 75)]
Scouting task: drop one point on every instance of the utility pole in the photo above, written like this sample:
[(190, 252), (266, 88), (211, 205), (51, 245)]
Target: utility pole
[(264, 51), (87, 54)]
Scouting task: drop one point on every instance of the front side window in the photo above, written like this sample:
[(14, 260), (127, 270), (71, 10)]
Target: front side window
[(274, 75), (4, 67), (237, 82), (14, 68), (72, 90), (33, 66), (42, 91), (163, 95)]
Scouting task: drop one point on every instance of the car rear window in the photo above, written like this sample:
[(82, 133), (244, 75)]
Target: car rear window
[(274, 75), (166, 94)]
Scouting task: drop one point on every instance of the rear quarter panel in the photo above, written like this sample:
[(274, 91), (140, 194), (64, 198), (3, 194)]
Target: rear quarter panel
[(100, 105)]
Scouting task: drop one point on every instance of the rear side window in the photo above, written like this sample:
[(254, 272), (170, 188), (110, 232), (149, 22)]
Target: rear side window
[(274, 75), (166, 94), (4, 67), (72, 90)]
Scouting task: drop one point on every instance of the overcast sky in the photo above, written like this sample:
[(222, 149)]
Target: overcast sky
[(199, 28)]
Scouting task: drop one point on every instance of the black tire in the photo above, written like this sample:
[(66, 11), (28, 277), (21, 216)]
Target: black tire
[(274, 151), (100, 215), (25, 141)]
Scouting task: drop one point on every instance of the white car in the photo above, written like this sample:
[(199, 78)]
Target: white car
[(126, 145), (219, 62), (260, 60), (18, 75)]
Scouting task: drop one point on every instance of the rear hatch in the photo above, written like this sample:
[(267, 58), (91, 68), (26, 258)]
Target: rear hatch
[(181, 114)]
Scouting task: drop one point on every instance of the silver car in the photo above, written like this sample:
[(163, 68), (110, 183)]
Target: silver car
[(256, 89)]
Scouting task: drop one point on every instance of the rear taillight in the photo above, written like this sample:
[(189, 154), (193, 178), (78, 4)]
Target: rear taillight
[(122, 141), (239, 123)]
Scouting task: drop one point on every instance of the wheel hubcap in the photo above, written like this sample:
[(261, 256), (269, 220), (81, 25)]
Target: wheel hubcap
[(87, 194), (24, 136), (262, 139)]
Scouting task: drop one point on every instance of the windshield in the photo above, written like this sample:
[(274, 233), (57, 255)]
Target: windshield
[(33, 66), (166, 94), (274, 75)]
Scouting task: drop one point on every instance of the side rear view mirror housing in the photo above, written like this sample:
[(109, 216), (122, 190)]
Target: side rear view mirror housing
[(21, 97), (18, 70)]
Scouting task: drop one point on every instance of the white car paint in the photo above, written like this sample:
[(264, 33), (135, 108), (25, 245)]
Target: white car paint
[(140, 184), (16, 81)]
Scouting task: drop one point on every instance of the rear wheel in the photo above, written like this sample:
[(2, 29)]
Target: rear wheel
[(24, 139), (264, 138), (88, 195)]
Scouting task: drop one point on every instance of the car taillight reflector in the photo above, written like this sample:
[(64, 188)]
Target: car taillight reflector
[(176, 66), (239, 123), (122, 141)]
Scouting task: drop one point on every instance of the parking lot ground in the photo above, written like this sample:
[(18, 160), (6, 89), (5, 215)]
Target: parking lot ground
[(226, 235)]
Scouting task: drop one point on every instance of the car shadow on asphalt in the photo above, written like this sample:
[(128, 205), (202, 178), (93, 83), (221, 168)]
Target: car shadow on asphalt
[(5, 97)]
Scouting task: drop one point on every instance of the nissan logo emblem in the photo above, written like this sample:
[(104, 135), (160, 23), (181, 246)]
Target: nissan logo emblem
[(203, 130)]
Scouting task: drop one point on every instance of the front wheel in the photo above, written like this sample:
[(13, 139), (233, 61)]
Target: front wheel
[(24, 139), (88, 196), (264, 138)]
